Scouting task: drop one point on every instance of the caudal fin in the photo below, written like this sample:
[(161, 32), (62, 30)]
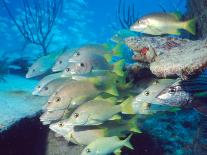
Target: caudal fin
[(118, 50), (126, 106), (118, 67), (132, 124), (190, 26), (127, 142)]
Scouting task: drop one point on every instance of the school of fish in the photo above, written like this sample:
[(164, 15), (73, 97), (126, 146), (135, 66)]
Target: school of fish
[(89, 93)]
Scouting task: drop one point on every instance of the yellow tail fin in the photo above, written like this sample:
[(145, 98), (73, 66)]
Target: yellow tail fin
[(118, 50), (107, 46), (108, 57), (126, 106), (132, 124), (190, 26), (112, 90), (118, 67), (127, 142)]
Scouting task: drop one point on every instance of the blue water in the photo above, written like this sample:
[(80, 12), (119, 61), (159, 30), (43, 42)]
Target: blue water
[(80, 22)]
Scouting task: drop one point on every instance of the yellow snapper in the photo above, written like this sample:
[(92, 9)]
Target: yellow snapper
[(94, 65), (71, 95), (106, 145), (163, 23), (45, 81), (62, 61), (86, 50), (51, 87), (42, 65), (83, 135), (86, 65), (97, 111)]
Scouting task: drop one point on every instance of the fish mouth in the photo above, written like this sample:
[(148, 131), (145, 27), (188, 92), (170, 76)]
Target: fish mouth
[(133, 28), (35, 93), (28, 76), (55, 69)]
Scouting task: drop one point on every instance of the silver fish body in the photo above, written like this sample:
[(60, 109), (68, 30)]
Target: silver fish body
[(86, 50), (62, 61), (88, 64)]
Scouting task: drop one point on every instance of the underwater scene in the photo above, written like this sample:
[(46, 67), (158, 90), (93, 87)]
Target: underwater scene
[(103, 77)]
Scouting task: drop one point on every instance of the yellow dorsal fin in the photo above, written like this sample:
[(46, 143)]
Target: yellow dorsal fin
[(126, 106), (118, 67)]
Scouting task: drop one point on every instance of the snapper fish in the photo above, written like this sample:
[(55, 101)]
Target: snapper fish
[(186, 93), (87, 65), (84, 135), (86, 114), (45, 81), (106, 145), (62, 61), (51, 87), (94, 63), (42, 65), (78, 92), (163, 23), (71, 95), (149, 94), (86, 50)]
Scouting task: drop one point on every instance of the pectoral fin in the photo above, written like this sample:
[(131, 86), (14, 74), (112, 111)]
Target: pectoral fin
[(115, 117), (117, 152)]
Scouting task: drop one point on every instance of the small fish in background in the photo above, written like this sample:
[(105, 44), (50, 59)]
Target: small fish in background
[(107, 145), (88, 64), (86, 114), (163, 23), (42, 65), (62, 61), (44, 81), (84, 135), (86, 50), (121, 35)]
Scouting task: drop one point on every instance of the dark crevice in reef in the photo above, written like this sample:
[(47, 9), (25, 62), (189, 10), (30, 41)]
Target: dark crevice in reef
[(144, 144), (28, 137)]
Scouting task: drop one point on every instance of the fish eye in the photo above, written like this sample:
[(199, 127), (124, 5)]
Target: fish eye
[(146, 93), (82, 64), (60, 62), (172, 90), (88, 150), (46, 88), (58, 99), (77, 54), (67, 69), (60, 124), (38, 86), (33, 70), (76, 115)]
